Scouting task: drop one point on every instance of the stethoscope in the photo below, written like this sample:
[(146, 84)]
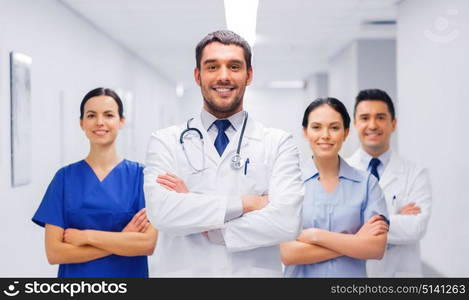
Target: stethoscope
[(236, 160)]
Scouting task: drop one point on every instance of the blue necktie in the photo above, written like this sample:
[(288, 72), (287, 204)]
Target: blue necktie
[(222, 139), (373, 166)]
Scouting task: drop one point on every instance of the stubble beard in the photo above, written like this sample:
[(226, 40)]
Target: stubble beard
[(224, 111)]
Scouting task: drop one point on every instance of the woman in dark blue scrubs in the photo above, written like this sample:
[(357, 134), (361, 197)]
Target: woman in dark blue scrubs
[(93, 210)]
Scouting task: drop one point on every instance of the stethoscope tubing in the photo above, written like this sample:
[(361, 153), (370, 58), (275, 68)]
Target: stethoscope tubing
[(235, 161)]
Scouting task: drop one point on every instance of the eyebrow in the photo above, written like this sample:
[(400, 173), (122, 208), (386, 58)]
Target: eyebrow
[(332, 123), (107, 111), (368, 114), (209, 61)]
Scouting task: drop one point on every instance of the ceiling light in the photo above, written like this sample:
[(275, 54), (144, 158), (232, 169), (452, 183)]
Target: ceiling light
[(241, 17)]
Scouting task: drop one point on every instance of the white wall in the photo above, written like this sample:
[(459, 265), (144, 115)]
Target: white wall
[(191, 103), (343, 74), (433, 75), (377, 69), (377, 66), (363, 64), (280, 108), (317, 86), (343, 85), (69, 58)]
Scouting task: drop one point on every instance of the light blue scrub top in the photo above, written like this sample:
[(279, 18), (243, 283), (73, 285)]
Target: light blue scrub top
[(356, 198), (76, 198)]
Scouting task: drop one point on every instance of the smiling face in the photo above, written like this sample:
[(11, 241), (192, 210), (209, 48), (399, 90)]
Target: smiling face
[(325, 132), (223, 77), (101, 121), (374, 125)]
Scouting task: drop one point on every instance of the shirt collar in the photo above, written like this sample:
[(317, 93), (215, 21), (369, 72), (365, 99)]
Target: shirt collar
[(365, 158), (345, 171), (207, 118)]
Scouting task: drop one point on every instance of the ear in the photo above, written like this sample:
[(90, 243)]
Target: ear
[(197, 75), (122, 122), (394, 124), (250, 74), (305, 132), (81, 124), (347, 131)]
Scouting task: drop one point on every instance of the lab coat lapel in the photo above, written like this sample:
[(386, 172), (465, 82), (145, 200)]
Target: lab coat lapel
[(233, 144), (391, 173), (209, 148), (253, 132)]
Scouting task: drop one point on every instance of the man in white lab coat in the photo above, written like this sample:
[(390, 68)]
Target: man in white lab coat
[(406, 185), (218, 215)]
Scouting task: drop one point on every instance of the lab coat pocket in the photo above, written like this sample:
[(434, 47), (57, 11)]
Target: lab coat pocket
[(255, 179), (194, 181), (198, 182), (395, 200)]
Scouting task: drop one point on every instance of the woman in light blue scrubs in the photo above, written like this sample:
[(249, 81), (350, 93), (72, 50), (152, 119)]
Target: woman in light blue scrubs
[(345, 219), (93, 210)]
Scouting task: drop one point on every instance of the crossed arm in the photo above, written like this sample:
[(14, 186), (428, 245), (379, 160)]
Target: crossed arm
[(410, 224), (315, 245), (173, 183), (204, 209), (65, 246)]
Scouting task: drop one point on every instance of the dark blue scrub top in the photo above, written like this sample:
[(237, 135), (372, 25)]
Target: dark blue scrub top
[(76, 198)]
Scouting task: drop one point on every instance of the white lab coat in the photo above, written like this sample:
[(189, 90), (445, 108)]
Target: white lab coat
[(248, 245), (402, 182)]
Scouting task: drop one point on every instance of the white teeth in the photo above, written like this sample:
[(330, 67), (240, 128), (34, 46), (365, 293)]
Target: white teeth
[(223, 90)]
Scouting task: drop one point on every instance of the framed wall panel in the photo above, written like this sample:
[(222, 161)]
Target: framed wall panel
[(21, 145)]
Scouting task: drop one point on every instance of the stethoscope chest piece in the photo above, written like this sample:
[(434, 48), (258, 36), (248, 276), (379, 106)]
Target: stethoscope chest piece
[(236, 162)]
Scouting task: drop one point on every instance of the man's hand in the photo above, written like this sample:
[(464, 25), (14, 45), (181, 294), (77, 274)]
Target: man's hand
[(252, 202), (172, 182), (410, 209), (374, 226), (75, 237), (139, 222)]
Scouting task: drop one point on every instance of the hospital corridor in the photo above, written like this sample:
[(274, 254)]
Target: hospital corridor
[(408, 58)]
